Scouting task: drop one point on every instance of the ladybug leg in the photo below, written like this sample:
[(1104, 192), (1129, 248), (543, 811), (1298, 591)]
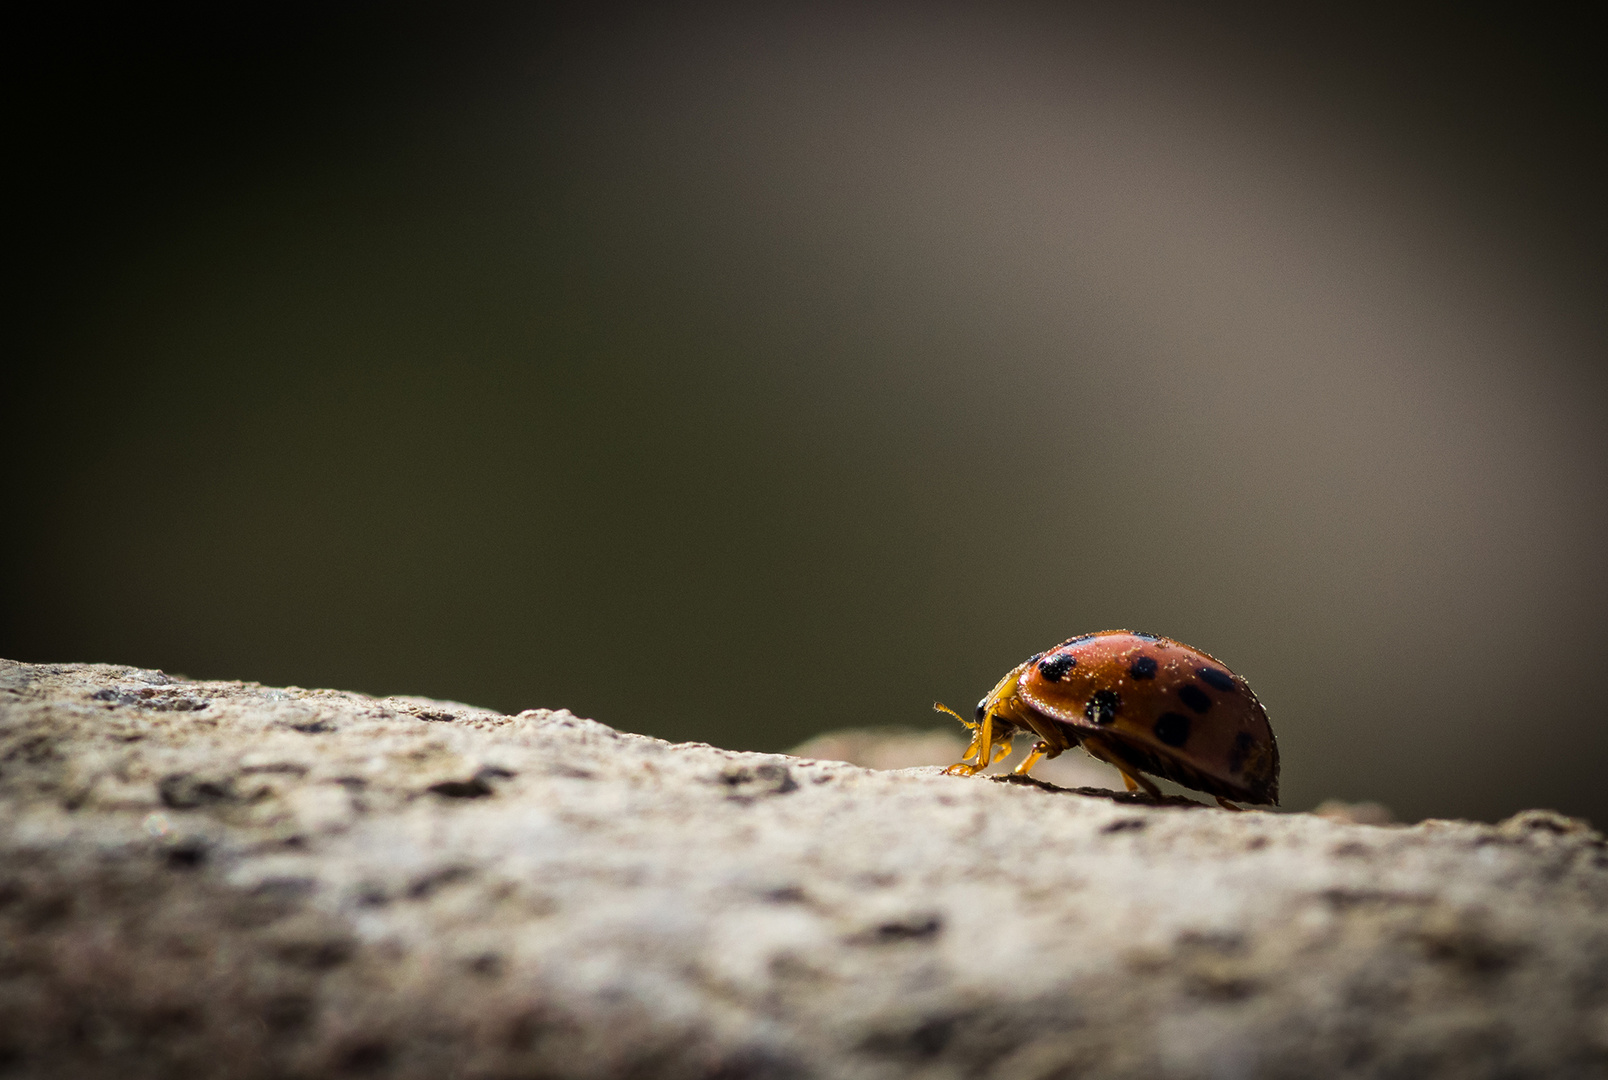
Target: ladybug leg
[(1134, 782), (963, 767), (1002, 750), (1032, 759), (982, 745)]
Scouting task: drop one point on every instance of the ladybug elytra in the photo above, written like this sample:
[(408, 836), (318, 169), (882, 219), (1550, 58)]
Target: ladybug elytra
[(1144, 703)]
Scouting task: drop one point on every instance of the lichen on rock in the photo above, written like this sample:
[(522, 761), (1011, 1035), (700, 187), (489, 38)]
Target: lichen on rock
[(209, 879)]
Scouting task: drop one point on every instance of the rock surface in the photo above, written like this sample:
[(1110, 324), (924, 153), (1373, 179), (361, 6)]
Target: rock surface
[(221, 879)]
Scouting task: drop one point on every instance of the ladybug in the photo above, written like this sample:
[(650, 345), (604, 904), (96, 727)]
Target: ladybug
[(1144, 703)]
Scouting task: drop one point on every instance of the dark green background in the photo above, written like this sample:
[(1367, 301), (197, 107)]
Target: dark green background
[(735, 374)]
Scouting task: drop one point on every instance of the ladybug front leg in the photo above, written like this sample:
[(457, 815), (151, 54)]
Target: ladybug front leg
[(982, 749), (964, 767)]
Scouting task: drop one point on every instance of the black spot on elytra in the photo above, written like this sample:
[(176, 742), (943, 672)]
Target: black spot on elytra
[(1143, 668), (1146, 637), (1056, 667), (1103, 707), (1240, 751), (1194, 697), (1075, 640), (1172, 728), (1217, 680)]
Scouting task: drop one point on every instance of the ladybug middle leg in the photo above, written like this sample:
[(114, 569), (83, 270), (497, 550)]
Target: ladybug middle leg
[(1135, 781), (1131, 779), (1053, 741), (1039, 750)]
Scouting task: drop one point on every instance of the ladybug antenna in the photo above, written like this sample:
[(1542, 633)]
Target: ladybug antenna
[(941, 707)]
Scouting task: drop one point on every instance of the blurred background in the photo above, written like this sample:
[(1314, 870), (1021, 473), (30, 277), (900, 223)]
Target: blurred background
[(739, 373)]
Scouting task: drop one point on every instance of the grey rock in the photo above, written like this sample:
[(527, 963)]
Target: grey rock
[(221, 879)]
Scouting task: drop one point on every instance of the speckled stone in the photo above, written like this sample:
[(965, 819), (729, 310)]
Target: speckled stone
[(205, 879)]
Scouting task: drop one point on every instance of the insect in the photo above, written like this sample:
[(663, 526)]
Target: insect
[(1143, 703)]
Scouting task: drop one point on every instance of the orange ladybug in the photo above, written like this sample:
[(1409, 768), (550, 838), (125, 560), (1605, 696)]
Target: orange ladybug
[(1143, 703)]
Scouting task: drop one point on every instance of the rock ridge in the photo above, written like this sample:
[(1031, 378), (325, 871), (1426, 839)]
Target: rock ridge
[(204, 879)]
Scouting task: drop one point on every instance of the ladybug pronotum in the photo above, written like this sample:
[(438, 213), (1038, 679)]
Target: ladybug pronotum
[(1143, 703)]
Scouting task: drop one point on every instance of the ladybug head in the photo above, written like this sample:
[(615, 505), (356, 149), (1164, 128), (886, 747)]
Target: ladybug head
[(982, 710)]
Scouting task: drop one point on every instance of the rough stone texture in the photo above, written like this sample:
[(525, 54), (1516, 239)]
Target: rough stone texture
[(222, 879)]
